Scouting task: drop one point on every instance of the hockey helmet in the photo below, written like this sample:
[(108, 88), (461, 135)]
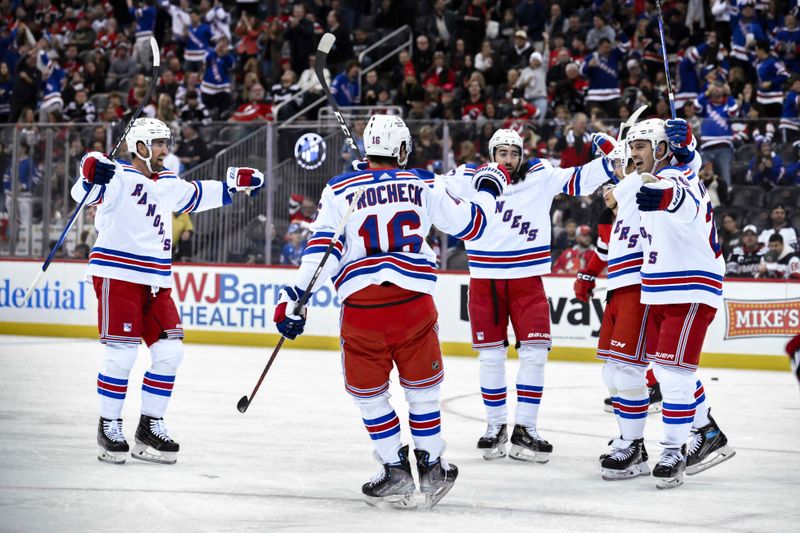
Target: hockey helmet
[(506, 137), (146, 130), (651, 130), (384, 135)]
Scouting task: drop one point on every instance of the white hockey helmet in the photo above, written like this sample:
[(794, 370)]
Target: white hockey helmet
[(146, 130), (651, 130), (506, 137), (384, 135)]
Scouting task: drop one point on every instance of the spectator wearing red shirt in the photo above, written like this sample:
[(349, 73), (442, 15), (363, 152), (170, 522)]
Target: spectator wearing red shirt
[(255, 109), (576, 145), (575, 258)]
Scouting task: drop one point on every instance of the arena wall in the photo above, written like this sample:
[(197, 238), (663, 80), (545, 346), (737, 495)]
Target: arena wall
[(233, 304)]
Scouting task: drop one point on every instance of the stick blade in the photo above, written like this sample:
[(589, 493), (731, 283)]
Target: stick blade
[(243, 404), (326, 43), (156, 53)]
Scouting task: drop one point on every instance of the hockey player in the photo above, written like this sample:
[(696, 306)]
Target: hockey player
[(682, 272), (384, 274), (622, 334), (506, 265), (131, 270)]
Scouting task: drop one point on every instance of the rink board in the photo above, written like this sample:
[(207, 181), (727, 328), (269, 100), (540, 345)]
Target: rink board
[(233, 304)]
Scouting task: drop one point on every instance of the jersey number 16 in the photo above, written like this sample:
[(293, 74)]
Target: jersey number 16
[(399, 241)]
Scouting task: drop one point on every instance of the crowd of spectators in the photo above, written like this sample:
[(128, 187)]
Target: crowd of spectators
[(555, 71)]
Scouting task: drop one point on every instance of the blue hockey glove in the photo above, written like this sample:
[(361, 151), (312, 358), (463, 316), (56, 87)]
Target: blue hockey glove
[(289, 325), (659, 194), (679, 133), (96, 169)]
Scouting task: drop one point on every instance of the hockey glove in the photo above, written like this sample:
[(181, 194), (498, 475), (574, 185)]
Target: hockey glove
[(96, 169), (659, 194), (604, 144), (245, 179), (492, 178), (289, 325), (359, 165), (679, 133), (584, 286)]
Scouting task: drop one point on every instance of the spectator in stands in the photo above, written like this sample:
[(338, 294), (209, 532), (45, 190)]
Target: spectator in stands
[(6, 85), (194, 111), (565, 239), (574, 258), (766, 168), (285, 93), (26, 82), (302, 209), (292, 252), (780, 225), (192, 150), (744, 260), (216, 85), (218, 18), (439, 74), (790, 114), (347, 154), (576, 145), (771, 77), (729, 234), (345, 86), (122, 69), (300, 36), (145, 16), (716, 106), (532, 15), (309, 82), (602, 70), (81, 109), (519, 52), (441, 26), (342, 50), (257, 109), (600, 30), (532, 81), (473, 17), (182, 234), (780, 261), (717, 189), (81, 251)]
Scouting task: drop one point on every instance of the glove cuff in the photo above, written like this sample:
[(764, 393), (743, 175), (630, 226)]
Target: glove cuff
[(585, 276)]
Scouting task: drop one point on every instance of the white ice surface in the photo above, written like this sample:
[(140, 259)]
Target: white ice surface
[(296, 460)]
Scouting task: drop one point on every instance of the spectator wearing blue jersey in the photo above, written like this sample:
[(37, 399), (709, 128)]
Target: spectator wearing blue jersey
[(6, 85), (766, 168), (345, 85), (292, 252), (53, 82), (716, 107), (602, 69), (216, 85), (790, 114), (197, 42), (786, 41), (145, 16), (771, 77), (745, 33)]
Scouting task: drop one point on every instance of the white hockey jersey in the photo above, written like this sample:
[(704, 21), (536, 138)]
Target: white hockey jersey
[(134, 221), (682, 256), (384, 239), (516, 243), (625, 253)]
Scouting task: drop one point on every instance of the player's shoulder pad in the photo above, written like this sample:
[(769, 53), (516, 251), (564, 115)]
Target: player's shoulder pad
[(676, 171), (606, 217)]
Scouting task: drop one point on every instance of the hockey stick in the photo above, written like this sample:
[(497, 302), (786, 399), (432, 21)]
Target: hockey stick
[(244, 401), (666, 63), (324, 47), (68, 227)]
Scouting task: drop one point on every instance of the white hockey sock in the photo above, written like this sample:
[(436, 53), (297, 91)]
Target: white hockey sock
[(492, 377), (112, 381), (530, 384), (701, 407), (382, 425), (677, 388), (630, 409), (158, 381), (424, 419)]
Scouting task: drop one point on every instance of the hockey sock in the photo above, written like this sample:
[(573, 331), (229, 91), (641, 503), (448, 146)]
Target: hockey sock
[(701, 406), (112, 381), (382, 425), (677, 388), (530, 384), (632, 399), (424, 419), (158, 381), (493, 384)]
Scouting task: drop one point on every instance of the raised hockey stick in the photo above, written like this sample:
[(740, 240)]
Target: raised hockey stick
[(68, 227), (324, 47), (666, 63), (244, 401)]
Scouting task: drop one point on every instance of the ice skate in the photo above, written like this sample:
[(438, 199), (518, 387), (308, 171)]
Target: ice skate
[(627, 460), (493, 442), (112, 446), (670, 468), (708, 447), (527, 445), (435, 479), (153, 442), (393, 485)]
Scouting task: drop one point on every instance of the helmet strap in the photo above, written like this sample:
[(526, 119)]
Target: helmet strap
[(146, 159)]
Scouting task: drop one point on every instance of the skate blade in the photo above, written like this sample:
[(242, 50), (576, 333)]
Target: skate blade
[(115, 458), (654, 408), (431, 499), (630, 473), (494, 453), (151, 455), (523, 454), (722, 455), (670, 482), (396, 501)]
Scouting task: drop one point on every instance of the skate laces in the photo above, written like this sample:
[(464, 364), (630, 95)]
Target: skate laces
[(531, 431), (159, 429), (378, 477), (670, 457), (491, 431), (623, 453), (113, 430), (697, 442)]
